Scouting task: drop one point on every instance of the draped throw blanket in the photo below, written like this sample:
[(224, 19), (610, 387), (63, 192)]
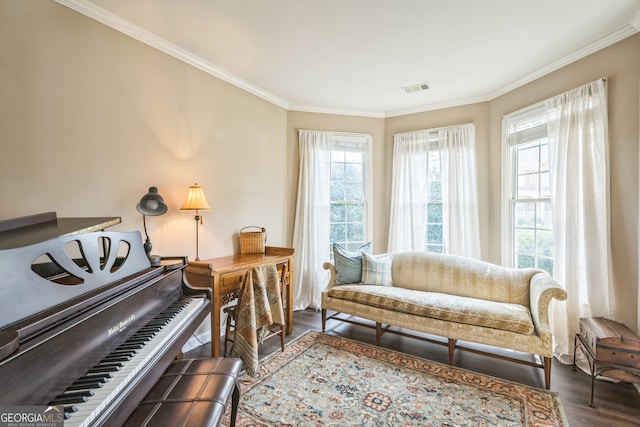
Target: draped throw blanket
[(259, 309)]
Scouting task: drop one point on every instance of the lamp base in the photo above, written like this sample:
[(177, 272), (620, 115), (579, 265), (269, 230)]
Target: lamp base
[(154, 260)]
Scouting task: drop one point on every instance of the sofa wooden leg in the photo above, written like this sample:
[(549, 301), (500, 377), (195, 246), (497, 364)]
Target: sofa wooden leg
[(378, 333), (452, 347), (547, 373), (324, 318)]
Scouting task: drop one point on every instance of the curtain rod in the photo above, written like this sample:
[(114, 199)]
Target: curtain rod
[(539, 103), (435, 129), (338, 133)]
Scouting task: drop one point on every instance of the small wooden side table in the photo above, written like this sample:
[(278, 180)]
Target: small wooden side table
[(225, 276)]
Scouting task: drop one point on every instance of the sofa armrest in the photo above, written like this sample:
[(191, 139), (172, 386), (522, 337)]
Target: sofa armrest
[(332, 277), (543, 288)]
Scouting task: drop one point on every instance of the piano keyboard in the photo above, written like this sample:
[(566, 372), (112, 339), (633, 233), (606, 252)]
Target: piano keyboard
[(88, 397)]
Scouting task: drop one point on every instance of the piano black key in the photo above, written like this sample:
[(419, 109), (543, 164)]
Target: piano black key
[(63, 400), (137, 341), (85, 386), (72, 397), (84, 393), (100, 369), (131, 346), (89, 379), (68, 410), (96, 375), (118, 358), (105, 363), (122, 353)]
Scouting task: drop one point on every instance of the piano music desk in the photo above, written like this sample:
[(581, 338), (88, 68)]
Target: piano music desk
[(225, 276)]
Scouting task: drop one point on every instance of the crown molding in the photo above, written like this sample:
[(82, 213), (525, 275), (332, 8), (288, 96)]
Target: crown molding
[(338, 111), (438, 106), (94, 12), (90, 10)]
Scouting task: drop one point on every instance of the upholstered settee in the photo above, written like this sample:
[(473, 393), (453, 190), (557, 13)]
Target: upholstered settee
[(450, 296)]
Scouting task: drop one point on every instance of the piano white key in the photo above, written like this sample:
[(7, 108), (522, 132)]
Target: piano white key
[(96, 404)]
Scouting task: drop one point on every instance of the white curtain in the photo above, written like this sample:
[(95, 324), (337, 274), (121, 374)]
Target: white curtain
[(461, 227), (409, 192), (311, 226), (578, 155)]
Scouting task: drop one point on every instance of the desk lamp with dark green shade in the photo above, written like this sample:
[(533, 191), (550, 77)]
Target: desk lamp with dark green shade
[(151, 204)]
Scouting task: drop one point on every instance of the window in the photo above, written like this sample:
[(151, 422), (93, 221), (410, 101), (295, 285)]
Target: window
[(434, 241), (349, 191), (434, 209), (531, 232)]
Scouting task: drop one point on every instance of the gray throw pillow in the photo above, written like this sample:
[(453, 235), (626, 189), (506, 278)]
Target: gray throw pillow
[(348, 264)]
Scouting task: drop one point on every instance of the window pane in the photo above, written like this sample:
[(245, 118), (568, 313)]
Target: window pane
[(354, 212), (337, 212), (338, 233), (434, 248), (525, 214), (354, 232), (528, 186), (434, 213), (353, 172), (337, 171), (525, 261), (353, 191), (353, 156), (546, 264), (434, 233), (544, 243), (435, 190), (528, 160), (544, 156), (544, 218), (525, 241), (337, 190), (337, 156), (545, 185)]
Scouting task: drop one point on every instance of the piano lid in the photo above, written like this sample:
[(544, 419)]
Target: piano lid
[(27, 230)]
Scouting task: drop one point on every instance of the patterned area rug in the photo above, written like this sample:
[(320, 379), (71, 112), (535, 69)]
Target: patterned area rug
[(323, 380)]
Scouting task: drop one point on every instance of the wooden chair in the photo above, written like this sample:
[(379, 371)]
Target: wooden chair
[(231, 313)]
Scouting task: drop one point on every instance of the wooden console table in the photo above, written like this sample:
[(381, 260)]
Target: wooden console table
[(225, 276)]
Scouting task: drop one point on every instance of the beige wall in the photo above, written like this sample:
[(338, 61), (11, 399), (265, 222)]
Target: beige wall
[(90, 118)]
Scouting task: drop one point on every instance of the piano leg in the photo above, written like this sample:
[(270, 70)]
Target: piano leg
[(235, 399)]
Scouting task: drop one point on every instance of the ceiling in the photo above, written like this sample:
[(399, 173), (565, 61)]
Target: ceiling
[(355, 56)]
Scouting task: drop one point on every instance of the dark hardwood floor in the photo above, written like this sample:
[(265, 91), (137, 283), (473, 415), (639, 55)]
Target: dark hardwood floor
[(616, 404)]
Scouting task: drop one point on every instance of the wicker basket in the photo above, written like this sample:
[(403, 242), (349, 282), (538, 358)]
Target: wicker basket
[(253, 242)]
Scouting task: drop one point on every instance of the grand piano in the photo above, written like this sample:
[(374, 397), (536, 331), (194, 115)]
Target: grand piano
[(86, 323)]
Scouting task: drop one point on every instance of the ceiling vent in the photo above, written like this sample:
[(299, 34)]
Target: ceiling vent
[(416, 88)]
